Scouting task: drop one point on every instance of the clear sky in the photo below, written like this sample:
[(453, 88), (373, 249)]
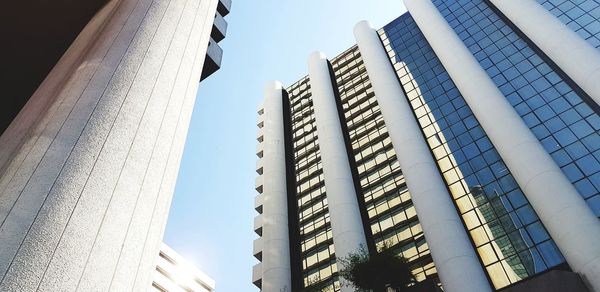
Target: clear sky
[(212, 213)]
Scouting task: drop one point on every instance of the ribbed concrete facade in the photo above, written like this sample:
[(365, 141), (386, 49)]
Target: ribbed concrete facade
[(273, 248), (90, 163), (456, 261), (348, 233), (571, 223), (473, 145)]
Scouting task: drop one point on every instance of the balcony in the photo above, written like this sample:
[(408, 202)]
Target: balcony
[(260, 121), (219, 28), (258, 184), (212, 62), (257, 275), (258, 225), (257, 248), (224, 7), (259, 166), (258, 203), (260, 149)]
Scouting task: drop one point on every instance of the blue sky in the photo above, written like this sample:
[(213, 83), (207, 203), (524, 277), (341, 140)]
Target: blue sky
[(212, 213)]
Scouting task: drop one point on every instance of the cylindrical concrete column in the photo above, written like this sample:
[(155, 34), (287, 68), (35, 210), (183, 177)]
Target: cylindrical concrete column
[(457, 264), (567, 217), (574, 55), (275, 237), (93, 157), (346, 222)]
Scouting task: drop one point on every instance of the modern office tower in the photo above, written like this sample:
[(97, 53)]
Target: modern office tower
[(464, 134), (98, 119), (174, 274)]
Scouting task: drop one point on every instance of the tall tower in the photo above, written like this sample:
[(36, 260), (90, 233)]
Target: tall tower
[(468, 140), (89, 164)]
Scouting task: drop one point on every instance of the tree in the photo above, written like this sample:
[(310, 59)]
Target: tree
[(378, 271)]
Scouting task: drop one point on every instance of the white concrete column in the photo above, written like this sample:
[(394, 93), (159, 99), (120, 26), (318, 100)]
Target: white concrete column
[(567, 217), (346, 221), (90, 163), (457, 264), (275, 237), (574, 55)]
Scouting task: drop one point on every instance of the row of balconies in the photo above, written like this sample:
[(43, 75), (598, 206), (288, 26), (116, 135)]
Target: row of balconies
[(257, 275), (214, 53), (257, 249)]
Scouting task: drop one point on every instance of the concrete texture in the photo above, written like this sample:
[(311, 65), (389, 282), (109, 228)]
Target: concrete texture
[(276, 270), (87, 181), (35, 35)]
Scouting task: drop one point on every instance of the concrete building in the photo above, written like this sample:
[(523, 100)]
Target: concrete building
[(95, 113), (174, 274), (464, 133)]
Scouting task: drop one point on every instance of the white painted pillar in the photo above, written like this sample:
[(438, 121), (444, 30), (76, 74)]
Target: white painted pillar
[(90, 163), (275, 237), (567, 217), (346, 221), (457, 264), (574, 55)]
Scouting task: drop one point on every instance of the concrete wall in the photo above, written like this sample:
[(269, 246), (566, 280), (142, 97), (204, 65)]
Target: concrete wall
[(89, 168)]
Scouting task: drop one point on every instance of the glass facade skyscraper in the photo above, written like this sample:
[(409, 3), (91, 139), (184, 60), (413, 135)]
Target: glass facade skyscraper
[(566, 126), (583, 16), (391, 215), (507, 232), (512, 233)]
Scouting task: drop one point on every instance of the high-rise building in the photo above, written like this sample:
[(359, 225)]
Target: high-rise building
[(95, 109), (174, 273), (465, 134)]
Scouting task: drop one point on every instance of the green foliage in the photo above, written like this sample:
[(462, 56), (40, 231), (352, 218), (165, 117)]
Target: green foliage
[(378, 271)]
